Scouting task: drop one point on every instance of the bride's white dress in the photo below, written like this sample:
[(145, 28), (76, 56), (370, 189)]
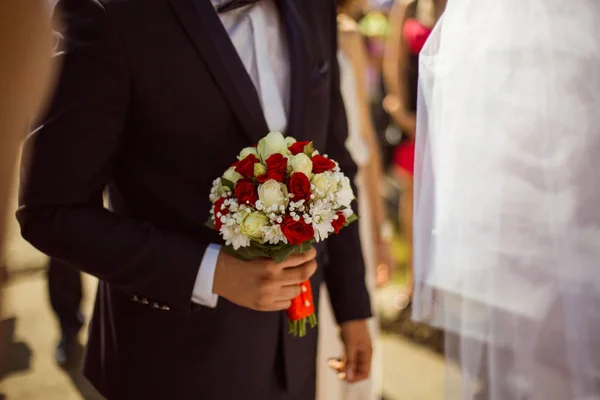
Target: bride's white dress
[(329, 387), (507, 190)]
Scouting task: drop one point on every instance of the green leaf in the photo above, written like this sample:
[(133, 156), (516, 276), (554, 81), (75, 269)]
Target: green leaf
[(210, 224), (281, 254), (228, 183), (309, 149), (245, 253), (278, 252), (304, 247), (351, 219)]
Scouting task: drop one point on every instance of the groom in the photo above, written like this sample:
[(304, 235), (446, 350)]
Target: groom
[(156, 99)]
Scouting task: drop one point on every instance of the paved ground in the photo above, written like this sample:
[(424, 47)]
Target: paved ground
[(30, 332)]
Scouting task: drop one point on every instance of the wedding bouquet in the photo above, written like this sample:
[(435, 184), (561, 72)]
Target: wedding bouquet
[(279, 198)]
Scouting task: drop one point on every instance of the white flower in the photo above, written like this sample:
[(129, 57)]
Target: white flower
[(271, 144), (233, 237), (252, 224), (232, 175), (345, 195), (218, 190), (246, 152), (290, 141), (273, 194), (259, 169), (273, 235), (322, 215), (324, 184), (302, 163)]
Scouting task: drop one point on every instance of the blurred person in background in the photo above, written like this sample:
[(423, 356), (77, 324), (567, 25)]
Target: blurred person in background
[(411, 22), (374, 26), (26, 44), (363, 146), (507, 216)]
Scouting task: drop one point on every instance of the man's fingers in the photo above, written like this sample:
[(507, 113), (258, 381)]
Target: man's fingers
[(363, 364), (336, 364), (298, 259), (287, 293), (358, 363), (277, 306), (299, 274), (350, 361)]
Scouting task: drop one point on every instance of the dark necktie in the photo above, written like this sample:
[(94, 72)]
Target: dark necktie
[(235, 4)]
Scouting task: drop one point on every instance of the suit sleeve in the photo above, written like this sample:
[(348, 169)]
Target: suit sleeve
[(70, 159), (345, 270)]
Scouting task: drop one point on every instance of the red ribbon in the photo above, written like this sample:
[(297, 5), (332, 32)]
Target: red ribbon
[(302, 306)]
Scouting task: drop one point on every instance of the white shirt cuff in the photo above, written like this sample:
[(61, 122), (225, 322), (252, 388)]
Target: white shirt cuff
[(203, 288)]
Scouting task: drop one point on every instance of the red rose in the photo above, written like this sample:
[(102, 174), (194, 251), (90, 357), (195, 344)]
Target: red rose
[(245, 192), (245, 167), (339, 223), (299, 186), (322, 164), (297, 232), (298, 147), (276, 168), (217, 209), (276, 175), (262, 178)]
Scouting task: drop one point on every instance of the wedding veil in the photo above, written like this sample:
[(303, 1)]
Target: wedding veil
[(507, 197)]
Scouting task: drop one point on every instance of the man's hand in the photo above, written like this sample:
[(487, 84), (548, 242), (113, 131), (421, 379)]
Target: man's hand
[(262, 284), (359, 351)]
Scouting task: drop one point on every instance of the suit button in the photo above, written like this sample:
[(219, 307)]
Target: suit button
[(155, 305), (165, 308), (145, 301), (135, 298)]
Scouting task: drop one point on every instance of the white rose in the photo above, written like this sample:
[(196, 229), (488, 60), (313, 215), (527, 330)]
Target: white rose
[(272, 193), (302, 163), (232, 175), (345, 195), (325, 183), (290, 141), (259, 170), (252, 225), (246, 152), (273, 143)]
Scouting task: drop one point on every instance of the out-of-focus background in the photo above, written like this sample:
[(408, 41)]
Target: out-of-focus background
[(412, 354)]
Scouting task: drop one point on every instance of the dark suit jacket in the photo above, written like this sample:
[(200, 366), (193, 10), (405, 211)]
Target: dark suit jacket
[(154, 103)]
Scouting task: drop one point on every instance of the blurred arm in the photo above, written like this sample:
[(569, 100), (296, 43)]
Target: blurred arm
[(345, 273), (353, 45), (395, 63)]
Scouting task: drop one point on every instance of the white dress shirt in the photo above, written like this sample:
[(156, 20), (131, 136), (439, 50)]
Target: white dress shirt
[(258, 36)]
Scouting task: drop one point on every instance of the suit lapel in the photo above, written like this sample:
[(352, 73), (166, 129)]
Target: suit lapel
[(299, 66), (204, 27)]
